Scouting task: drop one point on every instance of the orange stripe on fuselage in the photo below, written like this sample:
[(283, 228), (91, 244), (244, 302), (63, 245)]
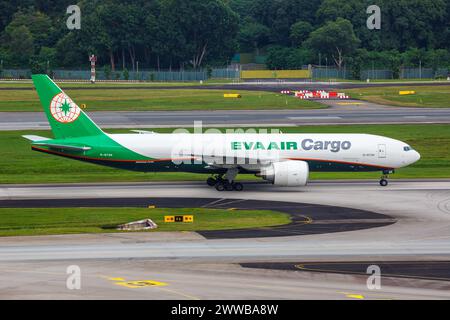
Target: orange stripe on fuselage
[(103, 159), (190, 158)]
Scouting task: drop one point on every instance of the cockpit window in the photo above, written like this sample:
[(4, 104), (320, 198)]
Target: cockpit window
[(407, 148)]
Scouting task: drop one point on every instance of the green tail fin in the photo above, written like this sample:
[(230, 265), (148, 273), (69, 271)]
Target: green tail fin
[(66, 119)]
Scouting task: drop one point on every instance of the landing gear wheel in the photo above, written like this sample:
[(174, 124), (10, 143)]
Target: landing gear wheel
[(220, 186), (211, 182), (383, 182), (238, 186), (228, 186)]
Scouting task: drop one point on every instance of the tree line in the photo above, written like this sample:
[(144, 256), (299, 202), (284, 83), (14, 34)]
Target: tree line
[(193, 34)]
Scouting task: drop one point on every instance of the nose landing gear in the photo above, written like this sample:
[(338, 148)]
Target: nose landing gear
[(383, 181)]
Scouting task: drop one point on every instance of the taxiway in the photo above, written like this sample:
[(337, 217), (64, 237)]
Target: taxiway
[(189, 266)]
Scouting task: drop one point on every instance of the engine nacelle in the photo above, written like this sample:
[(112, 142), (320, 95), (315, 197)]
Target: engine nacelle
[(287, 173)]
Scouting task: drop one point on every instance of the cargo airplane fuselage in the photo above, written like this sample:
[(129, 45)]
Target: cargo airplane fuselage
[(283, 159)]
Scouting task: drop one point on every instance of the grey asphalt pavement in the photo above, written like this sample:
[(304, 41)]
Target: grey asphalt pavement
[(192, 267), (340, 112)]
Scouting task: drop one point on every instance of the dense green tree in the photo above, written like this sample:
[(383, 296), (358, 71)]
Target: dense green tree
[(300, 32), (336, 39), (195, 33), (20, 43), (205, 27), (413, 23), (38, 23), (253, 35), (288, 58)]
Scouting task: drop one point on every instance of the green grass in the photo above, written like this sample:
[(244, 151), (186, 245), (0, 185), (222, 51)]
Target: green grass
[(426, 96), (164, 99), (44, 221), (18, 164)]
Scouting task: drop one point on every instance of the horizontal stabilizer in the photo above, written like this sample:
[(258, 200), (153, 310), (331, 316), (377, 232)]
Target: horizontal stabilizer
[(143, 131), (63, 147), (35, 138)]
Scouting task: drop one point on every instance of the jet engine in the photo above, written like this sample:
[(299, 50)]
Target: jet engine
[(286, 173)]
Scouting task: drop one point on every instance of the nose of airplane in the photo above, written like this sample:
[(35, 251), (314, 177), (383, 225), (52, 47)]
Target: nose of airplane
[(415, 156)]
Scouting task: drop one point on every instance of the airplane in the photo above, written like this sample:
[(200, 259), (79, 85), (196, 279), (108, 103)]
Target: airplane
[(281, 159)]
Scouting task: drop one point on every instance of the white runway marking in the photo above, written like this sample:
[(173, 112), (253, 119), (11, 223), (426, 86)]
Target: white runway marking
[(314, 118)]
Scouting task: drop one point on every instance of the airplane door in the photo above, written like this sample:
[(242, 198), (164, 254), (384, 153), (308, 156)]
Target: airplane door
[(381, 151)]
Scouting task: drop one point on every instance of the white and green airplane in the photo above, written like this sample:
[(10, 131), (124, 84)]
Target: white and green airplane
[(282, 159)]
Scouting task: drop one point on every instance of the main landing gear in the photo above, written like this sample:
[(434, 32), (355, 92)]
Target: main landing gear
[(383, 181), (226, 183)]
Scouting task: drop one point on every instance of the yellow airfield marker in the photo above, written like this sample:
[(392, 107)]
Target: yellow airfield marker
[(232, 95), (116, 279), (184, 219), (353, 295), (350, 103), (169, 219), (140, 284), (134, 284)]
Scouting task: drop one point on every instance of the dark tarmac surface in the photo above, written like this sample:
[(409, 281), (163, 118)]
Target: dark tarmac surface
[(306, 219), (428, 270)]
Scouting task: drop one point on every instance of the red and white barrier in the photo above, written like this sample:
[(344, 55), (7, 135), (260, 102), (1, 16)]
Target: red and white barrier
[(317, 94)]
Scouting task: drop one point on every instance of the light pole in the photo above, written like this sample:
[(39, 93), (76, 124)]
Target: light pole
[(93, 60), (326, 67)]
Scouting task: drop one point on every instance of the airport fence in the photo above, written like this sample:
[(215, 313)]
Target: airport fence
[(423, 73), (321, 72), (376, 74), (165, 76), (132, 75), (317, 73), (225, 73), (15, 74)]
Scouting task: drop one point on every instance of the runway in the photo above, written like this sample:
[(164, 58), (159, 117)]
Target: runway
[(340, 112), (192, 267)]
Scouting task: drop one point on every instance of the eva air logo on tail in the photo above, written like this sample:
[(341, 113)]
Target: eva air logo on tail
[(63, 109)]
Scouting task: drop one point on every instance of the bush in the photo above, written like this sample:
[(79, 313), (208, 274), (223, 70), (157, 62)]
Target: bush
[(280, 58), (126, 74), (37, 67), (107, 72)]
